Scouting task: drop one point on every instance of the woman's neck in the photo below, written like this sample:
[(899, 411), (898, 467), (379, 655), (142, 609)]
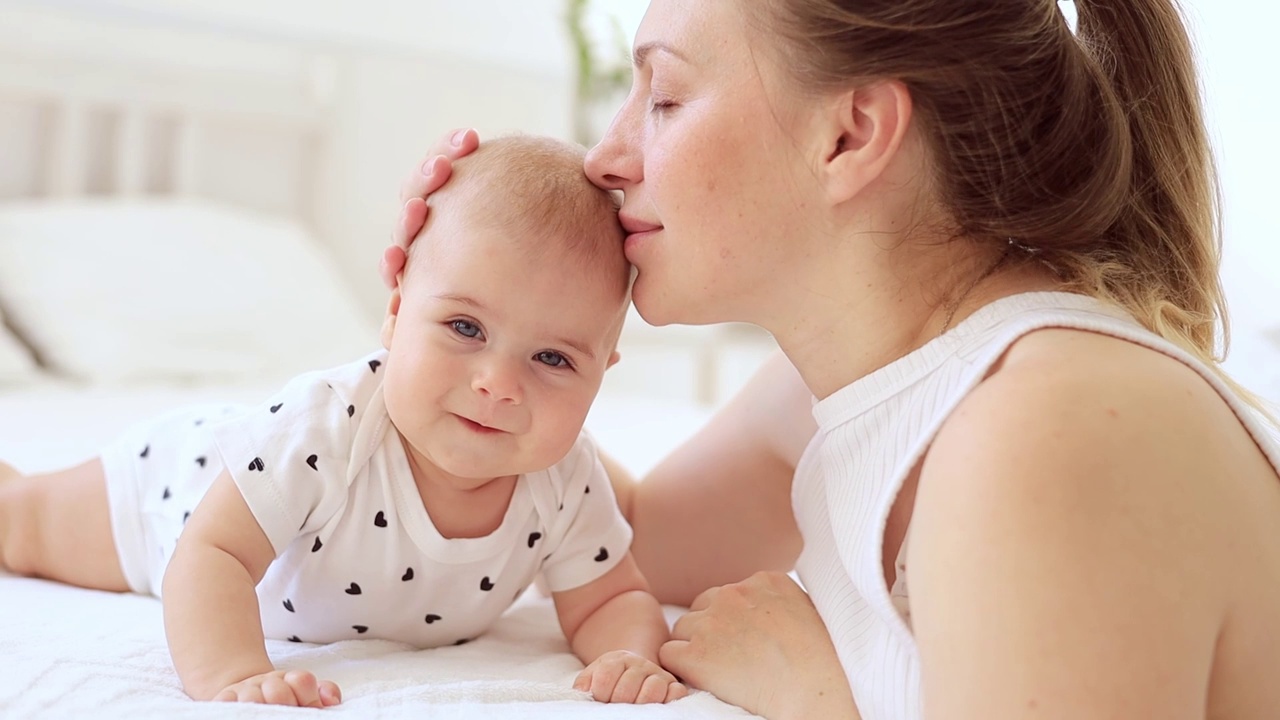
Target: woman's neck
[(837, 327)]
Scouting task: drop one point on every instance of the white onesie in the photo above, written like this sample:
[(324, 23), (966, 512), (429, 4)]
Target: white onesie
[(325, 475)]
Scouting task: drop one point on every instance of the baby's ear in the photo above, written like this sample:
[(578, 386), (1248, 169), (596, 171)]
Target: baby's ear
[(614, 357), (389, 322)]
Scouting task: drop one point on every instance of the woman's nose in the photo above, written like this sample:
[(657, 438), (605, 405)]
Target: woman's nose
[(615, 162)]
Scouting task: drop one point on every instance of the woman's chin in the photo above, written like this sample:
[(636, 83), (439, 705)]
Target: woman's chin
[(666, 309)]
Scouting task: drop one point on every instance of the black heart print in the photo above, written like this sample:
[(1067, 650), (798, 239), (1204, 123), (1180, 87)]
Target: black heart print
[(380, 519), (294, 638), (276, 408), (463, 641), (166, 494), (373, 365), (351, 411), (587, 491), (256, 464), (485, 585), (362, 629), (432, 618), (288, 605), (199, 422), (315, 547), (604, 555), (145, 452), (202, 460), (311, 460), (354, 589), (185, 516), (408, 575), (534, 537)]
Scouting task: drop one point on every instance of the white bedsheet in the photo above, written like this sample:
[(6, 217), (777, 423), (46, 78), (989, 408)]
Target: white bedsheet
[(72, 653)]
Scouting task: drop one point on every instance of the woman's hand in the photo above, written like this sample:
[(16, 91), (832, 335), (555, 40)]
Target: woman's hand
[(294, 688), (428, 178), (760, 644)]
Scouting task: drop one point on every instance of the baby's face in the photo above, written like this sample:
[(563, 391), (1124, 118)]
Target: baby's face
[(496, 354)]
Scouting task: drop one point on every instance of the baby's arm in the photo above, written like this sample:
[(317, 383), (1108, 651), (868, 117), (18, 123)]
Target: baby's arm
[(211, 613), (616, 626)]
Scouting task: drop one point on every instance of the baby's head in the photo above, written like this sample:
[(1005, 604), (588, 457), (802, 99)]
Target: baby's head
[(508, 313)]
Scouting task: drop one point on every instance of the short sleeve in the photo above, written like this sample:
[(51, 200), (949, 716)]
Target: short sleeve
[(289, 457), (596, 536)]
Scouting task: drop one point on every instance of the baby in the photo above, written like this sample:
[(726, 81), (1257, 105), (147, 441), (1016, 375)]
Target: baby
[(412, 495)]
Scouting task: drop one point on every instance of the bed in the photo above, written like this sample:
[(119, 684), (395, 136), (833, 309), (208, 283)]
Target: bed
[(164, 245)]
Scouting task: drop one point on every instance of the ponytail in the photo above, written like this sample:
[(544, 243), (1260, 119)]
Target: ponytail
[(1167, 236)]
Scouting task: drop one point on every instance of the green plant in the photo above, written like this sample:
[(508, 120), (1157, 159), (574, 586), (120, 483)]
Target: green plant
[(598, 76)]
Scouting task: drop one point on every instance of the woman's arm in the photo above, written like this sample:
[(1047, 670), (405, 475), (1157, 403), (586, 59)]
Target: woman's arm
[(1068, 543), (718, 509)]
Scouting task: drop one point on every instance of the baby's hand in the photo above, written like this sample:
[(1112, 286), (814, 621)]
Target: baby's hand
[(625, 677), (295, 688)]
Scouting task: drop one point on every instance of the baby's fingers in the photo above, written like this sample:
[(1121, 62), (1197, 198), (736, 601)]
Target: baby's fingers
[(603, 678), (330, 694), (627, 689), (660, 688), (275, 691), (242, 693), (305, 689)]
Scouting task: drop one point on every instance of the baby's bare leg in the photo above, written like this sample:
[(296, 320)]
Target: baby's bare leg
[(58, 526)]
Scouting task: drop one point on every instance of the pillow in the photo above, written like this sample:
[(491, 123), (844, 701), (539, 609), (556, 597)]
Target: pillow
[(16, 363), (115, 291)]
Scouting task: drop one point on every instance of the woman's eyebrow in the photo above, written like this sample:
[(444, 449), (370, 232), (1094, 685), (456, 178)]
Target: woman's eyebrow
[(640, 56)]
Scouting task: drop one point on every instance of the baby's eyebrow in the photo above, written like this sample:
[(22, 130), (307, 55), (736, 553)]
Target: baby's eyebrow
[(580, 347), (462, 299)]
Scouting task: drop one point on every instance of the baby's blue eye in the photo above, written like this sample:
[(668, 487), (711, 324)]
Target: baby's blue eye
[(552, 359), (465, 329)]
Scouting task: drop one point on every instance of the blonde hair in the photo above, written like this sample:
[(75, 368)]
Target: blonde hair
[(1088, 148), (535, 189)]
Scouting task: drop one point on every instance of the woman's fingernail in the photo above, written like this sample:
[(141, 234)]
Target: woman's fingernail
[(429, 167), (457, 137)]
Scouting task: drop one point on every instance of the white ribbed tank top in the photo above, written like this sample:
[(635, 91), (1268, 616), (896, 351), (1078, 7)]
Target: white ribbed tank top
[(871, 434)]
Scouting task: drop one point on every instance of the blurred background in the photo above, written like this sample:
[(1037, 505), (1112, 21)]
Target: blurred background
[(257, 146)]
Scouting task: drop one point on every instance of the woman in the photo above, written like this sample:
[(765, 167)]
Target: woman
[(988, 248)]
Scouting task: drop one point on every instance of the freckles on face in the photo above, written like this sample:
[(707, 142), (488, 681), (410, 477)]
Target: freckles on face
[(705, 149)]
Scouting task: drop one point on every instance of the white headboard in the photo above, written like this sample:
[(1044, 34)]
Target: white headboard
[(134, 116)]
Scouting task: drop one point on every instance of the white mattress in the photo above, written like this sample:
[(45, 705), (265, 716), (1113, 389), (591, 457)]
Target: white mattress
[(71, 653)]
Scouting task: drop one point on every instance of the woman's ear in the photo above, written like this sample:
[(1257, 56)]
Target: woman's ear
[(389, 322), (867, 130)]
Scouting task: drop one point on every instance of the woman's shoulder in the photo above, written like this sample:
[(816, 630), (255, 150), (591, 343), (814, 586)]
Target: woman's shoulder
[(1069, 423)]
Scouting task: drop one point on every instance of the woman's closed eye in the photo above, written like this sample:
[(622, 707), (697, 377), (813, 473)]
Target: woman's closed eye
[(661, 106)]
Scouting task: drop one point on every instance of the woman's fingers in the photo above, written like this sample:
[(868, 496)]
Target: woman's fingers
[(437, 166), (428, 178), (704, 600), (685, 624)]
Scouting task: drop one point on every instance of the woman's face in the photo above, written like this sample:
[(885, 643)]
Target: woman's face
[(709, 149)]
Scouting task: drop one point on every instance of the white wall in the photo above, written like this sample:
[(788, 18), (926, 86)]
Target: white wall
[(1235, 42)]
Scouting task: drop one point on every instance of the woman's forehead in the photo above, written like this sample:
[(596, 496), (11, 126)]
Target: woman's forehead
[(692, 31)]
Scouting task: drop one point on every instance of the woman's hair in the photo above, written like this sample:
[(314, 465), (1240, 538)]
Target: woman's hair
[(1089, 149)]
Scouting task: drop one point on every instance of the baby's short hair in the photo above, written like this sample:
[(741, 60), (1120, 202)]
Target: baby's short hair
[(536, 186)]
